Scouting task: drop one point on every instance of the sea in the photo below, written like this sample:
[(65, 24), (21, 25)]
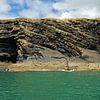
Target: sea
[(50, 85)]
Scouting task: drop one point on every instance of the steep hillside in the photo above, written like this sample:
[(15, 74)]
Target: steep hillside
[(47, 40)]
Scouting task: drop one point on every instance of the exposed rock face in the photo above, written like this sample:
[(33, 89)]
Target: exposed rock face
[(8, 49), (34, 39)]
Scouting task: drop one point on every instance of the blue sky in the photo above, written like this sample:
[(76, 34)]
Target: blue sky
[(50, 8)]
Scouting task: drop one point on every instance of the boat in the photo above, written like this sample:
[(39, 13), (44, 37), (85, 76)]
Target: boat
[(72, 70)]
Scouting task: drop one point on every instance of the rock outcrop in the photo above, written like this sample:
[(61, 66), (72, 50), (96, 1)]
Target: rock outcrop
[(25, 39)]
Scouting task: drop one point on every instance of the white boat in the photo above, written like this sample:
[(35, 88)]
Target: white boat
[(72, 70)]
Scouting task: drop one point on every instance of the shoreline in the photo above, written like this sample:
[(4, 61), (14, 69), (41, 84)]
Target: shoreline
[(8, 67)]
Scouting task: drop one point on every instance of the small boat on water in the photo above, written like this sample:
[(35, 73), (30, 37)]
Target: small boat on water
[(72, 70)]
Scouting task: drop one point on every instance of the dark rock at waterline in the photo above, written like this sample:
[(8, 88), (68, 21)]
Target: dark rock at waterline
[(35, 39)]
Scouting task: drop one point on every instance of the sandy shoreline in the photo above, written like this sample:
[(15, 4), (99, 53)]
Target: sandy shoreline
[(21, 67)]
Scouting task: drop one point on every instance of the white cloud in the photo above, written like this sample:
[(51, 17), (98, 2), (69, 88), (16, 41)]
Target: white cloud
[(90, 13), (76, 4), (7, 16), (83, 13), (60, 6), (4, 6), (42, 8), (4, 9), (37, 9), (29, 13), (66, 15), (82, 8)]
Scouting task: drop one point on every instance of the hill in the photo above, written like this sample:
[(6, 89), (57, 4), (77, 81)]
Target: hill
[(66, 44)]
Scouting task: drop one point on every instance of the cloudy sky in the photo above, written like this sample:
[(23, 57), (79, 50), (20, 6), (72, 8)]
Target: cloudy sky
[(50, 8)]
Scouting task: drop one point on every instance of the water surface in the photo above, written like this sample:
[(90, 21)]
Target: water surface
[(50, 86)]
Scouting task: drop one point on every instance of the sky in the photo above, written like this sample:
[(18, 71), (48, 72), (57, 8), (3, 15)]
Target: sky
[(50, 8)]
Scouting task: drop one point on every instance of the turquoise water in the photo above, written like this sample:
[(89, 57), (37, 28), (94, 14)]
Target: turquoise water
[(50, 86)]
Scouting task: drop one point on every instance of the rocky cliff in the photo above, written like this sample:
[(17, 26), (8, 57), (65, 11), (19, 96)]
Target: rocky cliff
[(47, 40)]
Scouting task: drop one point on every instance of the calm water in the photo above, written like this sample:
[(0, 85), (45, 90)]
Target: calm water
[(50, 86)]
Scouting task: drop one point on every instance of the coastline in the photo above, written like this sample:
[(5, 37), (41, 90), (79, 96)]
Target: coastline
[(20, 67), (49, 45)]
